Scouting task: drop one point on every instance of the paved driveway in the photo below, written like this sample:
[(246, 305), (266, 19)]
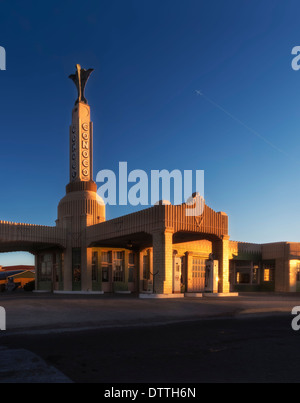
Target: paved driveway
[(44, 312), (44, 332)]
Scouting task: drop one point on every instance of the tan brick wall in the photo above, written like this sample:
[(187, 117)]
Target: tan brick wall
[(189, 265), (202, 247), (282, 275), (273, 250), (294, 250), (224, 262), (293, 269), (163, 259), (222, 252)]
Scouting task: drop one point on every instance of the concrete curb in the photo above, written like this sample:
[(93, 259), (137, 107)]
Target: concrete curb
[(220, 294), (79, 292), (160, 296)]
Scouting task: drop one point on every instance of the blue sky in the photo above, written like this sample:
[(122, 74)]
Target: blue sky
[(150, 57)]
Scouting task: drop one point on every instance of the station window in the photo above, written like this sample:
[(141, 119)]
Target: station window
[(118, 266), (76, 264), (243, 272), (243, 276), (255, 275), (46, 263), (269, 271), (298, 272), (106, 263)]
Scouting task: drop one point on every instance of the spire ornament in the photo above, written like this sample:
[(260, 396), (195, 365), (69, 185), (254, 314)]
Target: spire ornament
[(80, 79)]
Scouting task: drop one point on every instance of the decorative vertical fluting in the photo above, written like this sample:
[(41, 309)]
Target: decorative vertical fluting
[(81, 135), (81, 207), (189, 268), (221, 250), (163, 260)]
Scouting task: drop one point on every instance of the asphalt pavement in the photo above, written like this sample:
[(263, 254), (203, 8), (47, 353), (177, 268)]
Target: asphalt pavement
[(98, 339), (33, 312)]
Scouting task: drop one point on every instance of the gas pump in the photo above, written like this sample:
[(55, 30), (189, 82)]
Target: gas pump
[(211, 276), (176, 274)]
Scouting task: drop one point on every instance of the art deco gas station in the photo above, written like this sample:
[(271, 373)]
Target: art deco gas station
[(157, 252)]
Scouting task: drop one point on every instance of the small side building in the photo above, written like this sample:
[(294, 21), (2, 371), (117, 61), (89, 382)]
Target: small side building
[(264, 267), (19, 277)]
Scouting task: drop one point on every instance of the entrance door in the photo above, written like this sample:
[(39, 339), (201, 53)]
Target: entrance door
[(55, 281), (198, 275)]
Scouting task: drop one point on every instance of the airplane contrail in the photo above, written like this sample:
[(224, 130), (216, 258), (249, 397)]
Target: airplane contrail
[(198, 92)]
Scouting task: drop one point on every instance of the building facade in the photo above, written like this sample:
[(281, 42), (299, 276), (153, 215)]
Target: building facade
[(265, 267), (161, 250)]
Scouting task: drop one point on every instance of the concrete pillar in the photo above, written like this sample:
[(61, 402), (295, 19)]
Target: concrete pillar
[(221, 250), (140, 266), (163, 260), (86, 255), (150, 256), (37, 272), (67, 269), (86, 269), (189, 265)]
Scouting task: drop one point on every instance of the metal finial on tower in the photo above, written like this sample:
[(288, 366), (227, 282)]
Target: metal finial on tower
[(80, 79)]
